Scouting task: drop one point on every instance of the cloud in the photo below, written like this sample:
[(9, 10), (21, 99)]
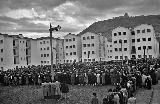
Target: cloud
[(72, 15)]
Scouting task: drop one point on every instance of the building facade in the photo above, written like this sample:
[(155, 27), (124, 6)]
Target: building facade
[(94, 47), (72, 48), (137, 42)]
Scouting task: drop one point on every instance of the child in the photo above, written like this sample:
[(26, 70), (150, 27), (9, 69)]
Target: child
[(94, 99)]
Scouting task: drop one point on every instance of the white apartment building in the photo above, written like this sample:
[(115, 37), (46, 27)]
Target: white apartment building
[(121, 43), (94, 47), (44, 49), (134, 43), (109, 50), (146, 42), (72, 48)]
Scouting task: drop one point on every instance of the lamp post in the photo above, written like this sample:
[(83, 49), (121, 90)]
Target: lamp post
[(51, 29), (56, 55)]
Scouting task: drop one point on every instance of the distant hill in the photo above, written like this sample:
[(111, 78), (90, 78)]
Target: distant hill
[(105, 27)]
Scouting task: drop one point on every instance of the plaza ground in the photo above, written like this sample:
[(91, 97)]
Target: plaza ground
[(77, 95)]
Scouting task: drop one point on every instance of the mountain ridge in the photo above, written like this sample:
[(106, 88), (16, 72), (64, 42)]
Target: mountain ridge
[(106, 26)]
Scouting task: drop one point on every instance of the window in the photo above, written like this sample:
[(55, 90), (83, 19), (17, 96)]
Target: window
[(139, 56), (66, 47), (148, 30), (70, 40), (138, 40), (74, 46), (88, 45), (132, 33), (43, 42), (85, 53), (70, 53), (143, 31), (139, 48), (116, 57), (88, 37), (66, 40), (93, 52), (149, 47), (84, 45), (121, 57), (44, 61), (84, 38), (47, 48), (125, 49), (1, 41), (20, 41), (125, 41), (138, 31), (47, 41), (120, 41), (110, 45), (119, 33), (85, 60), (124, 33), (89, 60), (40, 42), (70, 47), (92, 44), (1, 50), (115, 41), (21, 58), (41, 49), (120, 49), (74, 53), (41, 55), (1, 59), (73, 39), (144, 39), (133, 40), (126, 57), (47, 55), (149, 39), (110, 56), (66, 54), (116, 49), (41, 62), (93, 59), (92, 37), (115, 34), (44, 55), (44, 48), (110, 50), (144, 47)]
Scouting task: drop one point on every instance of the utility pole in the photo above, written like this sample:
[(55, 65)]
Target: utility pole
[(53, 29)]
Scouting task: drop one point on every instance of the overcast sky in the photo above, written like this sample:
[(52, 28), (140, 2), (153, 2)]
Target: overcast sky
[(32, 17)]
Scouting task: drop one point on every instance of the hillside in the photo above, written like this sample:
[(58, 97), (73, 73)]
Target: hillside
[(106, 26)]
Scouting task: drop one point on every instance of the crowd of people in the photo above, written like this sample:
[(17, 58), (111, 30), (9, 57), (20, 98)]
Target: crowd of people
[(131, 74)]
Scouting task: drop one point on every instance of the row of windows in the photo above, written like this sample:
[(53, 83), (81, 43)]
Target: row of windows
[(119, 33), (70, 46), (143, 39), (88, 37), (69, 40), (120, 41), (109, 45), (109, 56), (93, 52), (143, 31), (44, 62), (68, 61), (44, 48), (126, 57), (44, 55), (44, 42), (21, 41), (109, 51), (71, 53), (140, 56), (120, 49), (85, 60), (144, 47), (88, 45)]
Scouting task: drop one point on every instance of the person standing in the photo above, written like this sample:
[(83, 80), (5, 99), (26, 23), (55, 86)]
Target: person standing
[(131, 100)]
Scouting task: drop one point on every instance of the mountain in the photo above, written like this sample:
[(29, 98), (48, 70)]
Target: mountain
[(105, 27)]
